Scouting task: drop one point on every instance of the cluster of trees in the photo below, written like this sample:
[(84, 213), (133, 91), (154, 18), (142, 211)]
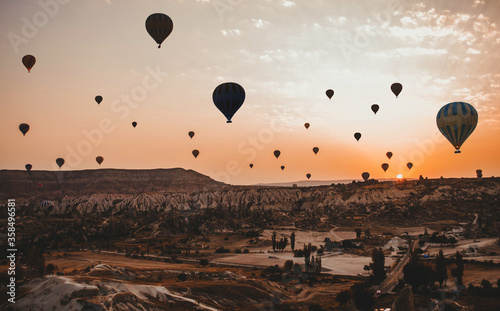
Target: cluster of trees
[(360, 293), (283, 242), (442, 239)]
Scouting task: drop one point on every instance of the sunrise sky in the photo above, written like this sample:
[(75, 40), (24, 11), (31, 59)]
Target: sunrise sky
[(285, 54)]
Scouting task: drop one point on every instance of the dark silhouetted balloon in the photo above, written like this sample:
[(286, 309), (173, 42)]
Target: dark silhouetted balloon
[(134, 124), (282, 167), (24, 128), (456, 121), (396, 88), (98, 99), (365, 176), (277, 153), (375, 108), (195, 153), (329, 93), (99, 160), (228, 98), (315, 150), (479, 173), (357, 136), (306, 125), (409, 165), (308, 176), (191, 134), (29, 61), (385, 166), (251, 165), (28, 167), (60, 162), (389, 155), (159, 27)]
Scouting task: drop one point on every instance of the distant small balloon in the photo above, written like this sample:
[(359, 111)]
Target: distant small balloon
[(282, 167), (385, 166), (329, 93), (306, 125), (191, 134), (98, 99), (39, 186), (60, 162), (195, 153), (315, 150), (396, 88), (389, 155), (308, 176), (375, 108), (277, 153), (29, 61), (365, 176), (251, 165), (28, 167), (409, 165), (24, 128), (357, 136), (134, 124), (99, 160)]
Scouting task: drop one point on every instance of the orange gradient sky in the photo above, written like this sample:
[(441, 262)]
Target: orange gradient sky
[(285, 54)]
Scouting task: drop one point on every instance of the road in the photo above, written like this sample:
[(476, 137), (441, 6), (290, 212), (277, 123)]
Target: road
[(393, 279)]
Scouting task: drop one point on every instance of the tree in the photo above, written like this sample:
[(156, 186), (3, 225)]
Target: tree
[(292, 241), (343, 297), (35, 261), (378, 265), (363, 299), (273, 237), (50, 268), (458, 272), (288, 265), (203, 262), (441, 272), (417, 274), (358, 232)]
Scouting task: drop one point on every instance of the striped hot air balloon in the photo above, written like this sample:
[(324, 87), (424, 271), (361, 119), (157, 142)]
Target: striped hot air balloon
[(456, 121), (228, 98), (159, 27)]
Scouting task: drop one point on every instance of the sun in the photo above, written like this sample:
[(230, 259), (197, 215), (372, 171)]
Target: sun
[(399, 176)]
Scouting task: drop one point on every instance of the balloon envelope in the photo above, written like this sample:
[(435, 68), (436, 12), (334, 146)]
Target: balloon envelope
[(251, 165), (357, 136), (98, 99), (195, 153), (159, 27), (315, 150), (389, 155), (409, 165), (134, 124), (365, 176), (396, 88), (99, 160), (191, 134), (28, 167), (24, 128), (329, 93), (282, 167), (385, 166), (29, 61), (456, 121), (375, 108), (60, 162), (228, 98), (277, 153), (308, 176), (306, 125)]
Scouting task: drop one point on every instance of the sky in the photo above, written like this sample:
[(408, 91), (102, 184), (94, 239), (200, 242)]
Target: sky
[(284, 53)]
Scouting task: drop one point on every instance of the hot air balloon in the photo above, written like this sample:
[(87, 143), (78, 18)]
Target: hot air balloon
[(228, 98), (308, 176), (45, 203), (99, 160), (409, 165), (134, 124), (98, 99), (306, 125), (329, 93), (46, 206), (456, 121), (396, 88), (282, 167), (385, 166), (251, 165), (159, 27), (315, 150), (277, 153), (28, 168), (29, 61), (389, 155), (479, 173), (195, 153), (191, 134), (375, 108), (24, 128), (357, 136), (365, 176), (60, 162), (39, 186)]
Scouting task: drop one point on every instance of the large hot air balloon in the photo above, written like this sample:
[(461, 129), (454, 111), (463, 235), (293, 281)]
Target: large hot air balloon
[(385, 166), (98, 99), (456, 121), (315, 150), (409, 165), (306, 125), (228, 98), (195, 153), (134, 124), (282, 167), (365, 176), (396, 88), (60, 162), (28, 168), (29, 61), (191, 134), (277, 153), (375, 108), (251, 165), (159, 27), (99, 160), (357, 135), (24, 128), (389, 155), (329, 93), (308, 176)]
